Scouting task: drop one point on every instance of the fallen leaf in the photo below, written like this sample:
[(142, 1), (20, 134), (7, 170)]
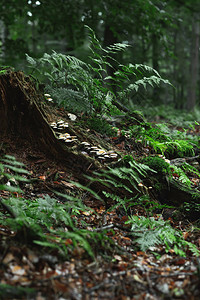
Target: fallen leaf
[(68, 242), (8, 258), (42, 177), (117, 257), (68, 184), (59, 286), (17, 270)]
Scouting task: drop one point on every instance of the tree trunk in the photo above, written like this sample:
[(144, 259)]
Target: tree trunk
[(22, 116), (2, 39), (110, 39), (155, 63), (194, 67)]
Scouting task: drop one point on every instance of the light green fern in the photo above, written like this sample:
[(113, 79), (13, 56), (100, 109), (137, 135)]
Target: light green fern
[(150, 232), (126, 177), (91, 80)]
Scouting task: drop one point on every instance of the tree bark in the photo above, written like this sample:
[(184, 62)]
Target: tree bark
[(2, 39), (194, 67), (155, 63), (23, 116)]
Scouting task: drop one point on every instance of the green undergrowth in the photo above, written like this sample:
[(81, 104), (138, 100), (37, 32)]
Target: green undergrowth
[(164, 140), (162, 113), (100, 125), (158, 164), (149, 232), (126, 182), (163, 168), (11, 292), (43, 221), (88, 86), (47, 222)]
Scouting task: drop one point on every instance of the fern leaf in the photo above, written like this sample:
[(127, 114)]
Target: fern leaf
[(31, 60)]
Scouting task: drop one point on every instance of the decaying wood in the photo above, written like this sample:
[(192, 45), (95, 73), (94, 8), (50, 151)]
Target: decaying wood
[(178, 193), (175, 194), (22, 116)]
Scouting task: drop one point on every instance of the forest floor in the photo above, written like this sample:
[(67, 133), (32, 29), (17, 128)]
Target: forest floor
[(30, 271)]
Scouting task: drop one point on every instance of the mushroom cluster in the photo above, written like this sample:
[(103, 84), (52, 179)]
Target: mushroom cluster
[(67, 138), (59, 125), (48, 97), (87, 149), (100, 154)]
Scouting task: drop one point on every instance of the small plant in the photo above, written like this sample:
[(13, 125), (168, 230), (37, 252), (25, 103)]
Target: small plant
[(10, 164), (124, 183), (101, 126), (158, 164), (179, 148), (182, 177), (5, 69), (162, 140), (150, 232), (127, 176)]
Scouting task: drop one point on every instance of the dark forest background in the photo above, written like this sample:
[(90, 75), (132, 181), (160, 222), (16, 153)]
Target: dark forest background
[(161, 34)]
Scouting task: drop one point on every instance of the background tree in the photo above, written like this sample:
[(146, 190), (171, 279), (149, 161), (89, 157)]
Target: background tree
[(160, 34)]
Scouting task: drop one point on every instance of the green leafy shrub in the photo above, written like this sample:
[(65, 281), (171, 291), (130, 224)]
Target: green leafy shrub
[(163, 140), (90, 83)]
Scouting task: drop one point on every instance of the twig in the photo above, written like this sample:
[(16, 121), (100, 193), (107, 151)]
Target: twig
[(175, 274), (103, 228), (112, 226)]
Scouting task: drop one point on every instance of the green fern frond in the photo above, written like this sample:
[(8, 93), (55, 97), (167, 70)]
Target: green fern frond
[(11, 169), (126, 177), (31, 60), (91, 79), (70, 99), (188, 168), (182, 176), (150, 232), (117, 47)]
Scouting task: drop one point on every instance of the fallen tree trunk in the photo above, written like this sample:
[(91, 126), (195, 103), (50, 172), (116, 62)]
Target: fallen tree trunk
[(184, 199)]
